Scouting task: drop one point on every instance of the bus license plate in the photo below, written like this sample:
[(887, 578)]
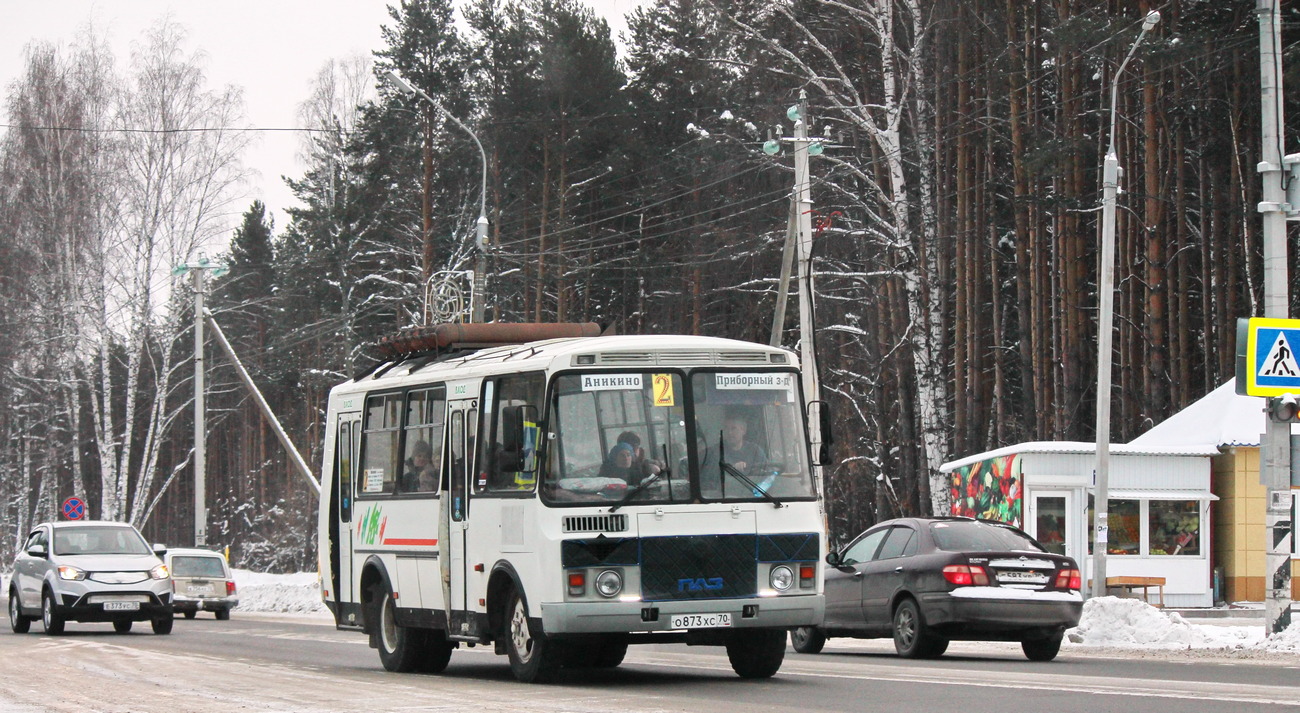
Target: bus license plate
[(700, 621), (121, 606)]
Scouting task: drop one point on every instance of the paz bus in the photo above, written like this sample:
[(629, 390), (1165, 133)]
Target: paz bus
[(560, 495)]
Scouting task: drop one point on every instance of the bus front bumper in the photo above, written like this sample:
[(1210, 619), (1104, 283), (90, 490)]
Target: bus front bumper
[(638, 616)]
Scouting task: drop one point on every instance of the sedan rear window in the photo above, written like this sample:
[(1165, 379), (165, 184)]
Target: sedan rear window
[(184, 566), (979, 537)]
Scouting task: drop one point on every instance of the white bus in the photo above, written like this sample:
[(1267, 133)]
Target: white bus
[(565, 497)]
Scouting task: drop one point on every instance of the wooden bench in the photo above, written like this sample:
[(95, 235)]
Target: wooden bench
[(1131, 584)]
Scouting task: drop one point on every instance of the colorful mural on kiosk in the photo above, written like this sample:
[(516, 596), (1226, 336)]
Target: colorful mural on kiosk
[(990, 489)]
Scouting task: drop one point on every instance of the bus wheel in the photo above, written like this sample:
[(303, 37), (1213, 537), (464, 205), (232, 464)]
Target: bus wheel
[(437, 651), (399, 647), (756, 653), (533, 659)]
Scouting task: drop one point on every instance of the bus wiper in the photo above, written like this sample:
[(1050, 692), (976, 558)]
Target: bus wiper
[(734, 471), (640, 487)]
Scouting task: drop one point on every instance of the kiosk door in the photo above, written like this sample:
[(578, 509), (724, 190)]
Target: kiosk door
[(1051, 521)]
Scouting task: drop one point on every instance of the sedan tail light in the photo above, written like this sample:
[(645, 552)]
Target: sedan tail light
[(230, 587), (964, 575), (1069, 579)]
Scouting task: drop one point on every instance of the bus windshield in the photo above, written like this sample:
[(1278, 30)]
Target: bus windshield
[(615, 435)]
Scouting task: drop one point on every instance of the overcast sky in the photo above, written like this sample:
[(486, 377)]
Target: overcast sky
[(271, 48)]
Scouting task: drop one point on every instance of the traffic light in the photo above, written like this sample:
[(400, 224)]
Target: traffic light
[(1284, 408)]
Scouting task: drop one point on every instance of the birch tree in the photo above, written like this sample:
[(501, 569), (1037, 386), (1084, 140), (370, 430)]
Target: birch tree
[(177, 174)]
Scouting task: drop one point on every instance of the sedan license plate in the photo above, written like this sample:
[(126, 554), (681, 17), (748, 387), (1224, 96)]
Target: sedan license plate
[(200, 590), (1022, 577), (700, 621), (121, 606)]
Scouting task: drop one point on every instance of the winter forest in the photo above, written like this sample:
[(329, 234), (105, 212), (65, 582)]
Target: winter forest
[(955, 253)]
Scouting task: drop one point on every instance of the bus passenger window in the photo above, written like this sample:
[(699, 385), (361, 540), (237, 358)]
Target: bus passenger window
[(425, 415), (379, 445)]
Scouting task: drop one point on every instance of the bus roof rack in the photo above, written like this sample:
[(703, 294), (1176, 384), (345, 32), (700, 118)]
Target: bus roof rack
[(439, 341)]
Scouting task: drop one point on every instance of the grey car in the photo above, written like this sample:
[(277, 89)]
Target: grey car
[(202, 581), (89, 571), (928, 581)]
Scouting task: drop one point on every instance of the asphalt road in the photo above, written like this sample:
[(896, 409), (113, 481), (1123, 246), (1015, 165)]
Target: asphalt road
[(268, 663)]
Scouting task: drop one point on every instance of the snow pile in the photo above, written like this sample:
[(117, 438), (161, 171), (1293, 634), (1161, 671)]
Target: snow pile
[(1132, 623), (1285, 641), (259, 592)]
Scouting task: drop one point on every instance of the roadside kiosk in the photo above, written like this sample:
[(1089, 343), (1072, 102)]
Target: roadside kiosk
[(1159, 503)]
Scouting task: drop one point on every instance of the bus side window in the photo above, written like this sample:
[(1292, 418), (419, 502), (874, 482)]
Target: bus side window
[(380, 437), (343, 446), (508, 458)]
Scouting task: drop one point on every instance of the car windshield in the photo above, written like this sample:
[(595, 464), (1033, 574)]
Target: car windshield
[(197, 566), (99, 541), (658, 437), (979, 537)]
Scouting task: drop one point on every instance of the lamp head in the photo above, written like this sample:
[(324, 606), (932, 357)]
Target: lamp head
[(400, 84), (1151, 19)]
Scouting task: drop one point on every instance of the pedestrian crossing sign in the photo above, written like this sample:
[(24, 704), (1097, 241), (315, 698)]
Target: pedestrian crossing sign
[(1268, 366)]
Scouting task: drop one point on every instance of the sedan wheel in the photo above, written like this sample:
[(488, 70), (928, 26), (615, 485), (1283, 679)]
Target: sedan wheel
[(912, 638), (122, 626), (808, 639), (50, 618), (163, 624), (19, 623)]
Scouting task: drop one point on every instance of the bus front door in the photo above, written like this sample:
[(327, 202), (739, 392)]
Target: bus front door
[(462, 423), (346, 441)]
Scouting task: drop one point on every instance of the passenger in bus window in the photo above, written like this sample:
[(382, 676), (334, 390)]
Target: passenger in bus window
[(627, 460), (420, 475)]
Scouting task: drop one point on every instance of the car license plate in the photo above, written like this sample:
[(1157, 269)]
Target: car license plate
[(1022, 577), (200, 591), (699, 621), (121, 606)]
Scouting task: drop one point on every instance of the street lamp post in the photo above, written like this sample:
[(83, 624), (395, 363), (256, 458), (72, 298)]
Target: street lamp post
[(1105, 318), (480, 245)]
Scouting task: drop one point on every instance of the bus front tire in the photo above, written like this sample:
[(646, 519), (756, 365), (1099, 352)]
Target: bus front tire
[(399, 646), (533, 659), (756, 653)]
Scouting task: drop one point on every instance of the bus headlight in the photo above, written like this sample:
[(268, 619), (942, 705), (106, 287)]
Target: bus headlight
[(609, 583), (781, 578)]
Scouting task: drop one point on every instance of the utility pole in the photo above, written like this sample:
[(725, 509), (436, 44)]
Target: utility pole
[(1105, 330), (1275, 446), (798, 244), (200, 427), (803, 225)]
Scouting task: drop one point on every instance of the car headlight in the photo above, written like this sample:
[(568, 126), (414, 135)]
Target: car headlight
[(159, 572), (609, 583), (69, 572), (782, 578)]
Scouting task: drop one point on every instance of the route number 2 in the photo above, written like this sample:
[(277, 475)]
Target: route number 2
[(663, 387)]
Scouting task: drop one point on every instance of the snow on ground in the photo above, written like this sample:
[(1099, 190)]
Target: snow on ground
[(1131, 623), (292, 593)]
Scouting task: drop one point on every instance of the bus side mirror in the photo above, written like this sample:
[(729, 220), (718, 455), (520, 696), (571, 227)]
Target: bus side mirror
[(821, 411)]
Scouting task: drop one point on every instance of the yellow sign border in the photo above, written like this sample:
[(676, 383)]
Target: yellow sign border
[(1252, 346)]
